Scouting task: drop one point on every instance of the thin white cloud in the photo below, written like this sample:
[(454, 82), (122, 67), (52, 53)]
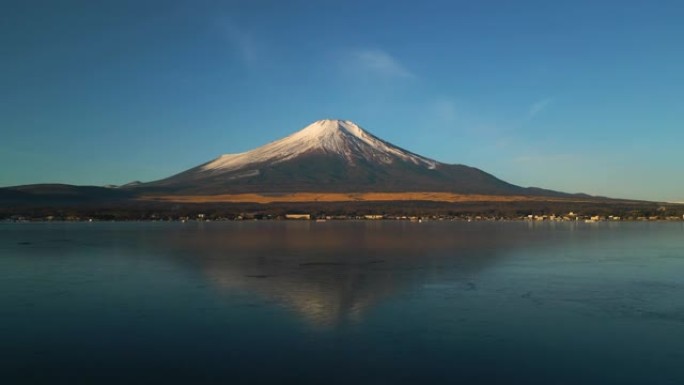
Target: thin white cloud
[(241, 40), (538, 106), (445, 110), (380, 63), (548, 158)]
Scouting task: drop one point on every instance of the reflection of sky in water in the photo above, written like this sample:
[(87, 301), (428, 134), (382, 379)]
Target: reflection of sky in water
[(341, 302)]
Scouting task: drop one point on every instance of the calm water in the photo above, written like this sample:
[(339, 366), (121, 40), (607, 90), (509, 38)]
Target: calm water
[(342, 303)]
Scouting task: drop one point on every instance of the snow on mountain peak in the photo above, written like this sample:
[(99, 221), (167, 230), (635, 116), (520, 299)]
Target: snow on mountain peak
[(330, 127), (332, 136)]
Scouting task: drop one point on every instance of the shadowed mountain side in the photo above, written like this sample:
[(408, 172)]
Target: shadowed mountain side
[(321, 172)]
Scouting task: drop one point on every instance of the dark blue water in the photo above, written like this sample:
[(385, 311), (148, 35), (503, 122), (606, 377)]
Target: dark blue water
[(342, 303)]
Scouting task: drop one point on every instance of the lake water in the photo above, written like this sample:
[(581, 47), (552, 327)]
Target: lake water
[(342, 303)]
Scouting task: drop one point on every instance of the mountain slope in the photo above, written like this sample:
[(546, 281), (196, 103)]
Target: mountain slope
[(330, 156), (51, 194)]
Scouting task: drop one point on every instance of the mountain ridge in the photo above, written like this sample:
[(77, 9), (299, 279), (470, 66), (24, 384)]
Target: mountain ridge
[(331, 155)]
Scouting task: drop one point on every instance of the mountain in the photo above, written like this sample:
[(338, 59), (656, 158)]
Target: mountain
[(331, 156), (60, 194), (330, 166)]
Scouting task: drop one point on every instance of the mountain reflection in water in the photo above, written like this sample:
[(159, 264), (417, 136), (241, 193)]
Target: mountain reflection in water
[(331, 273)]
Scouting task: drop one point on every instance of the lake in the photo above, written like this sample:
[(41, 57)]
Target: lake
[(369, 302)]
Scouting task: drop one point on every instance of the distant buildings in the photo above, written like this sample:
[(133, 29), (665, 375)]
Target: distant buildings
[(298, 216)]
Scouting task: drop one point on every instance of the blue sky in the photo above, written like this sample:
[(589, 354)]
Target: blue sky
[(574, 96)]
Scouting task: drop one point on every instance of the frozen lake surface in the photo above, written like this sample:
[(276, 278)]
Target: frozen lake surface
[(342, 303)]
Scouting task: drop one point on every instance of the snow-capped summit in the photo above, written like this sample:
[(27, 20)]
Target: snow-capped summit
[(328, 156), (343, 138)]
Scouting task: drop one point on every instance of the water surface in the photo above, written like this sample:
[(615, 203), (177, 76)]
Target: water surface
[(342, 302)]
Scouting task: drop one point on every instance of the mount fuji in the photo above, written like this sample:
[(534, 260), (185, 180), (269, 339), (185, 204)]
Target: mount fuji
[(330, 156)]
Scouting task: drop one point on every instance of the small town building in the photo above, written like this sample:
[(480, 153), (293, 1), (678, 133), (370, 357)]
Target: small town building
[(298, 216)]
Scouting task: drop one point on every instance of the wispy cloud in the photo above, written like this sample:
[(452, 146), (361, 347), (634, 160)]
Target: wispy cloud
[(380, 63), (241, 40), (545, 158), (445, 110), (538, 106)]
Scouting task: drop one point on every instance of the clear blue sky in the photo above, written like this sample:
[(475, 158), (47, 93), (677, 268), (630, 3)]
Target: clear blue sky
[(574, 96)]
